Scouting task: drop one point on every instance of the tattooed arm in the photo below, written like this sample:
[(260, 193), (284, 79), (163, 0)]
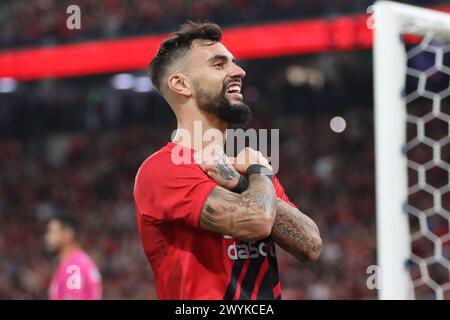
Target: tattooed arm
[(246, 216), (296, 233), (243, 216)]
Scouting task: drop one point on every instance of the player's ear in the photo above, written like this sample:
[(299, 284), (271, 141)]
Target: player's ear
[(180, 84)]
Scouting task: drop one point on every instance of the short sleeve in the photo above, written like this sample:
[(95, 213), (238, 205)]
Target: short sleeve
[(172, 193), (279, 190)]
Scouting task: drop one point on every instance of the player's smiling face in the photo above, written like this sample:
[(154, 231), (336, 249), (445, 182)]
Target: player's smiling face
[(214, 70), (216, 82)]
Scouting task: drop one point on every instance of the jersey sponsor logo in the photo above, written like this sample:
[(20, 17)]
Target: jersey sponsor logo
[(250, 250)]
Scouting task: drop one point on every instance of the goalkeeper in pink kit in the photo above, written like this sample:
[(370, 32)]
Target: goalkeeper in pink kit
[(77, 277)]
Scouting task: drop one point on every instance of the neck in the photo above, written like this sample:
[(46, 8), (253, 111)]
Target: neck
[(198, 131), (67, 250)]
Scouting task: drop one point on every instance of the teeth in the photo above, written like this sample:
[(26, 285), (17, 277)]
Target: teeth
[(235, 89)]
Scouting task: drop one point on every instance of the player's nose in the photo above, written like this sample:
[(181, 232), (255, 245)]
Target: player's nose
[(237, 72)]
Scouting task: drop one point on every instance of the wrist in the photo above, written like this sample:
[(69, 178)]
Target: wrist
[(241, 185), (259, 169), (233, 183)]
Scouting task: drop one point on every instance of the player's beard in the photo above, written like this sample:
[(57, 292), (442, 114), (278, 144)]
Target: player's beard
[(236, 115)]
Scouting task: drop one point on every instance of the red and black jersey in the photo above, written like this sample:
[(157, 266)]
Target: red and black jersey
[(189, 262)]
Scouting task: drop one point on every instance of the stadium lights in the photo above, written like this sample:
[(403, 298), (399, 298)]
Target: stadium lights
[(143, 84), (8, 85), (127, 81), (122, 81), (298, 76), (338, 124)]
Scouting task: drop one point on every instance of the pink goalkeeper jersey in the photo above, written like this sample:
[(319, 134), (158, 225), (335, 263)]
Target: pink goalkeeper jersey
[(77, 278)]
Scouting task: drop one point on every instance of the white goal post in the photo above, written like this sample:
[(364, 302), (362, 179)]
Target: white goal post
[(391, 20)]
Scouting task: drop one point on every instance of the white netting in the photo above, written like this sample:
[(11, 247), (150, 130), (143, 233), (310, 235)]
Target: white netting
[(428, 151)]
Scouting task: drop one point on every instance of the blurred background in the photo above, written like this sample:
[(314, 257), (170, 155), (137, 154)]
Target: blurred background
[(74, 144)]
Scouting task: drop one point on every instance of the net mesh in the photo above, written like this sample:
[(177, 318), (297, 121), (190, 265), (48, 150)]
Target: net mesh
[(428, 157)]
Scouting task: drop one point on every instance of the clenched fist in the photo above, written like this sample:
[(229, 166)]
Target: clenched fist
[(217, 166)]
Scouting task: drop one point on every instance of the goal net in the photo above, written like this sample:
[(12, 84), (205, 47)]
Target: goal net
[(412, 147)]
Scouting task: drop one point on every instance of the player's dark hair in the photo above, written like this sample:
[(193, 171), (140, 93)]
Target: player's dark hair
[(69, 221), (178, 44)]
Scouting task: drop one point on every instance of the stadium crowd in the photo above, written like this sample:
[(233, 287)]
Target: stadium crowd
[(25, 23)]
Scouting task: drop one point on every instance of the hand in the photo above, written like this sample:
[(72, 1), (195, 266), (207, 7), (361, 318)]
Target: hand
[(246, 158), (218, 166)]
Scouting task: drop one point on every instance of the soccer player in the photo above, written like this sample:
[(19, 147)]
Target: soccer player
[(77, 276), (208, 229)]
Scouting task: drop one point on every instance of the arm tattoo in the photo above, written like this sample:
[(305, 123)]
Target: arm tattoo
[(226, 172), (209, 209), (255, 201), (225, 210), (295, 232)]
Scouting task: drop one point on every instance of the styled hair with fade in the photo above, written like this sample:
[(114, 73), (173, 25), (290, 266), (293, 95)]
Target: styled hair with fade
[(178, 44)]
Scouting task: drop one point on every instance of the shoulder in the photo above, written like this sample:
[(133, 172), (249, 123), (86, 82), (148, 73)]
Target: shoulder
[(80, 258), (169, 161), (156, 159)]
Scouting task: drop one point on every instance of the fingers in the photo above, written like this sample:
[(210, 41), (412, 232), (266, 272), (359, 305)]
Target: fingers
[(213, 153), (249, 156), (211, 156)]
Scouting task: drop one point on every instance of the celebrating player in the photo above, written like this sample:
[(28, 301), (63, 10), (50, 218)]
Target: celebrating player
[(208, 229)]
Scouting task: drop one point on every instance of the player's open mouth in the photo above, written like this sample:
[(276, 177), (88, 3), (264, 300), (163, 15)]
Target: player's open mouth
[(234, 90)]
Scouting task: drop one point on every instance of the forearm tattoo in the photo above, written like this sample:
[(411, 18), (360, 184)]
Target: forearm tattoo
[(224, 208), (295, 232), (226, 171)]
